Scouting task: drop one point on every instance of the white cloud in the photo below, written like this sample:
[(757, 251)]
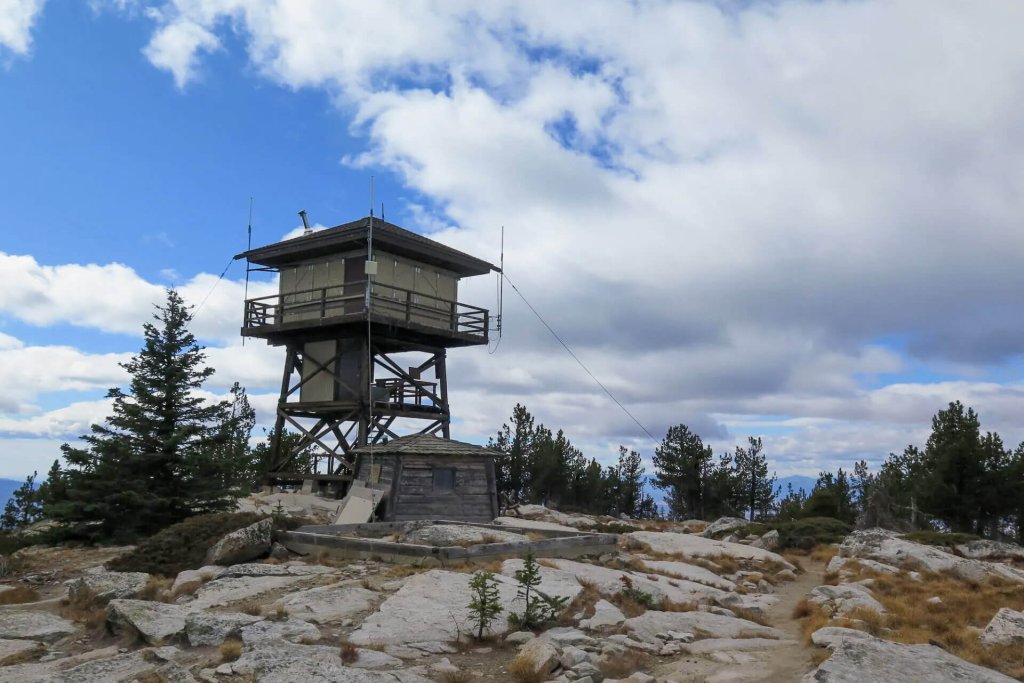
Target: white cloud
[(723, 210), (17, 18), (176, 48)]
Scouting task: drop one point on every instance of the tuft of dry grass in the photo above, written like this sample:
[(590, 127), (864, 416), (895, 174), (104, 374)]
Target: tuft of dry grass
[(666, 605), (819, 655), (629, 607), (400, 571), (456, 676), (523, 670), (348, 652), (823, 553), (804, 608), (727, 563), (624, 665), (18, 595), (230, 650), (831, 578), (251, 607), (188, 588), (156, 589), (750, 615)]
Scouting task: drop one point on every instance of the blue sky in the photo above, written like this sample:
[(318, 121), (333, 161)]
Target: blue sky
[(798, 219)]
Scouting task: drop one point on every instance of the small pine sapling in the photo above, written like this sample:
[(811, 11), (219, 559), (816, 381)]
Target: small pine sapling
[(538, 608), (485, 605)]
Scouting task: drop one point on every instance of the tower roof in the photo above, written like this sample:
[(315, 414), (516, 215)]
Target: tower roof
[(392, 238), (425, 444)]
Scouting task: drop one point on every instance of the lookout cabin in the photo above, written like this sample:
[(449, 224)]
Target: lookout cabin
[(426, 477)]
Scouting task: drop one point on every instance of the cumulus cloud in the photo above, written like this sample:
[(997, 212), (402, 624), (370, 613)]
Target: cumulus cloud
[(741, 216), (17, 18)]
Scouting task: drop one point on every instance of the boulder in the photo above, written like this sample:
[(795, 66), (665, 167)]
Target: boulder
[(606, 615), (33, 625), (886, 546), (688, 572), (156, 622), (225, 591), (1006, 628), (843, 599), (770, 541), (429, 607), (857, 659), (648, 625), (829, 635), (459, 534), (195, 577), (107, 585), (243, 545), (211, 628), (840, 564), (691, 545), (122, 668), (723, 524), (983, 549), (328, 603), (285, 662), (292, 630), (541, 654)]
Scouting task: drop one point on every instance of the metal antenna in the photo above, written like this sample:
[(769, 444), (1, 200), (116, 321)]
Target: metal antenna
[(369, 340), (248, 266)]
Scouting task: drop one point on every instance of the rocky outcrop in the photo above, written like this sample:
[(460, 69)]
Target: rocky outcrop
[(606, 616), (107, 585), (690, 545), (156, 622), (285, 662), (886, 547), (328, 603), (856, 659), (1006, 628), (688, 572), (225, 591), (650, 624), (212, 628), (983, 549), (33, 625), (458, 534), (242, 545), (722, 525), (843, 599), (540, 654)]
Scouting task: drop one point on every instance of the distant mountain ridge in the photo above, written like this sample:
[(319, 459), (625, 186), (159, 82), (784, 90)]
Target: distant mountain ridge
[(7, 489)]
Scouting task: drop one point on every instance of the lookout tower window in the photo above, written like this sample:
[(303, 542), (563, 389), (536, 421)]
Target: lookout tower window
[(444, 478)]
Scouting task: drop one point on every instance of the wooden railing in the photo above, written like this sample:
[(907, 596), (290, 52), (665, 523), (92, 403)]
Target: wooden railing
[(349, 300)]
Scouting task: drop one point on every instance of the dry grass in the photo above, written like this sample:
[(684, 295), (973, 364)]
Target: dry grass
[(629, 607), (456, 676), (545, 562), (18, 595), (622, 666), (823, 553), (87, 609), (156, 589), (819, 655), (523, 670), (750, 615), (727, 564), (188, 588), (400, 571), (954, 625), (349, 653), (795, 558), (230, 650), (251, 607), (666, 605), (831, 578)]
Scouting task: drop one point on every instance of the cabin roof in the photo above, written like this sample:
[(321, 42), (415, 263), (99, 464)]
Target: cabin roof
[(348, 236), (425, 444)]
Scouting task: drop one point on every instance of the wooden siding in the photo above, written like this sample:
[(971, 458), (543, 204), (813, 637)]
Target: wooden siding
[(472, 499)]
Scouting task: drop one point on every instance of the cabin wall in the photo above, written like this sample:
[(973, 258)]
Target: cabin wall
[(384, 465), (320, 384), (415, 496), (406, 286), (303, 287)]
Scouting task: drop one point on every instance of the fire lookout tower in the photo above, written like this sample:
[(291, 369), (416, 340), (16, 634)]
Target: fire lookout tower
[(357, 304)]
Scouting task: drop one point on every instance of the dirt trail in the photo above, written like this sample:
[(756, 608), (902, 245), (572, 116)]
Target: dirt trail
[(791, 663)]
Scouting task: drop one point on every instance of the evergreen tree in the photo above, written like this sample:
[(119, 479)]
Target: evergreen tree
[(720, 482), (629, 473), (24, 507), (485, 601), (832, 496), (955, 475), (792, 504), (682, 465), (514, 444), (154, 461), (260, 458), (755, 491)]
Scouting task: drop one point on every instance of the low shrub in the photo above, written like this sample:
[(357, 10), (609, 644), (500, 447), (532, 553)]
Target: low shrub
[(230, 650), (349, 653), (801, 534), (939, 538), (183, 545), (523, 670)]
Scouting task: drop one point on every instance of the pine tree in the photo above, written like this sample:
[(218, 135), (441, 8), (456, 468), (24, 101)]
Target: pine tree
[(485, 603), (682, 466), (24, 507), (755, 491), (629, 473), (155, 460)]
